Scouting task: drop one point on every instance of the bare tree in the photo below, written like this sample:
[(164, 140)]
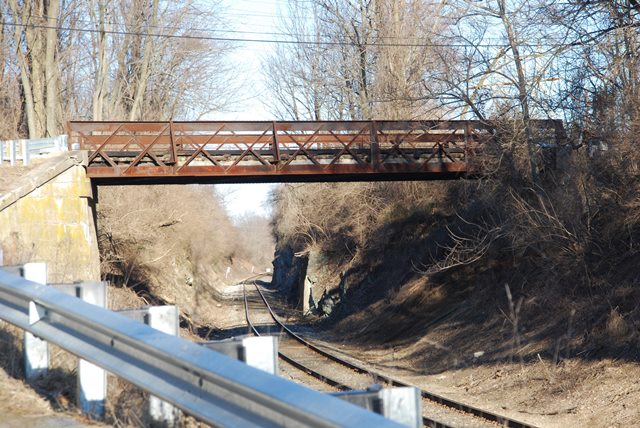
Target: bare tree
[(9, 82), (157, 74), (408, 44), (35, 41), (602, 87), (110, 59), (505, 58), (353, 59)]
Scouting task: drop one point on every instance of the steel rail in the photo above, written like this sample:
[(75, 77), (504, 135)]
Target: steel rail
[(205, 384), (427, 421), (295, 363), (485, 414)]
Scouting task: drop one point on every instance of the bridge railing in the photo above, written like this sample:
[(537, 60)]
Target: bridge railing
[(239, 148), (25, 149), (441, 149), (208, 385)]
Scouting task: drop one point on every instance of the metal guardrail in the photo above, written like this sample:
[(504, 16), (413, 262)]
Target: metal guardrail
[(212, 387), (24, 149)]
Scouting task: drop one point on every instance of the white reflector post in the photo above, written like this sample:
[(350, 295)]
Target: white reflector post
[(402, 405), (259, 352), (262, 353), (12, 152), (25, 151), (36, 354), (92, 380), (165, 319)]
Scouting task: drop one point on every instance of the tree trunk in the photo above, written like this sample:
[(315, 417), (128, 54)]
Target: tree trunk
[(144, 74), (34, 50), (51, 69), (25, 78), (102, 70), (523, 95)]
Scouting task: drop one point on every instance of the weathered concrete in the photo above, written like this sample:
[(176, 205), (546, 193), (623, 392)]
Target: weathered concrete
[(48, 216)]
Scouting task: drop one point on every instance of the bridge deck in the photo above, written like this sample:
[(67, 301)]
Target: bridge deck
[(183, 152)]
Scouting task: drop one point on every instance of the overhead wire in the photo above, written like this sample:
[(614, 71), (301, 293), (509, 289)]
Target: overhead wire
[(220, 30), (226, 39), (501, 44), (275, 41), (216, 30)]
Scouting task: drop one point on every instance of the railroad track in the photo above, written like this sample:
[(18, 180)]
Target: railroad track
[(323, 366)]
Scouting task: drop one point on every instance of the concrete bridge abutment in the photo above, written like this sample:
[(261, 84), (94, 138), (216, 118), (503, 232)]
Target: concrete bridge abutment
[(48, 214)]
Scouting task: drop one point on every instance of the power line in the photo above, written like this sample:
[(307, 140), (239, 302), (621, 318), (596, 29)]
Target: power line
[(272, 41), (213, 30), (500, 44)]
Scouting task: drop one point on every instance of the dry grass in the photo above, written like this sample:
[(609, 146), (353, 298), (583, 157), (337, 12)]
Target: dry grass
[(616, 326), (18, 399), (342, 218), (10, 174), (566, 246), (174, 244), (57, 387), (11, 345)]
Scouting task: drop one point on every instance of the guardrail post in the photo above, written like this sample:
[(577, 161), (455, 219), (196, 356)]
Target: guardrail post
[(63, 143), (92, 380), (2, 152), (36, 353), (400, 404), (165, 319), (25, 152), (12, 152), (259, 352)]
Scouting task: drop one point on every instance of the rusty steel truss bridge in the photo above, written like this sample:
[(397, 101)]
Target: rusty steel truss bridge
[(217, 152)]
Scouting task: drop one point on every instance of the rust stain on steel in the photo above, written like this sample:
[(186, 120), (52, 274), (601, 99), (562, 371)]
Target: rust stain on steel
[(281, 151)]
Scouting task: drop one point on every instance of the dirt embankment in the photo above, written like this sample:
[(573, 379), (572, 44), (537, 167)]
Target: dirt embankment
[(177, 245), (21, 406), (519, 300)]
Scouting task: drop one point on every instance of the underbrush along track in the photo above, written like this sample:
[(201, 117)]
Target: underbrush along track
[(360, 377)]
